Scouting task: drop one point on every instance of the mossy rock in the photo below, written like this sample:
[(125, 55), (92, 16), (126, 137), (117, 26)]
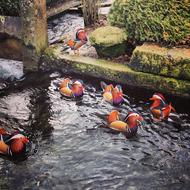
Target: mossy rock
[(109, 41), (170, 62)]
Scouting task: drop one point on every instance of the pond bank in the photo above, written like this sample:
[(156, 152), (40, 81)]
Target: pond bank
[(54, 59)]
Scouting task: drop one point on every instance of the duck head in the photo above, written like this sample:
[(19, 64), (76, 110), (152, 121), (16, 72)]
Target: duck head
[(81, 35), (134, 120), (18, 144), (77, 88), (158, 100), (117, 95)]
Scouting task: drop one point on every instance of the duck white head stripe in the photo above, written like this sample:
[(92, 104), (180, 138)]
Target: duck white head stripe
[(132, 114), (17, 136), (77, 82), (157, 96)]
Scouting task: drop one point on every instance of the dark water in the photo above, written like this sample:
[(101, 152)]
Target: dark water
[(71, 150)]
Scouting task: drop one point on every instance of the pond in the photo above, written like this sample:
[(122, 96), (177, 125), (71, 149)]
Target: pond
[(70, 149)]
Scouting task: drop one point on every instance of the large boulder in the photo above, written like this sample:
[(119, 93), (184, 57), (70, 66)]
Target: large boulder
[(170, 62), (109, 41)]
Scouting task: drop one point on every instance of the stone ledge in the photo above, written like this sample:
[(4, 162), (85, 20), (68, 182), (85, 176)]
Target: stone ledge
[(53, 59), (169, 62)]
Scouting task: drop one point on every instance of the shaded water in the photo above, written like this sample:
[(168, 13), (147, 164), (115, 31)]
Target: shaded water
[(72, 151)]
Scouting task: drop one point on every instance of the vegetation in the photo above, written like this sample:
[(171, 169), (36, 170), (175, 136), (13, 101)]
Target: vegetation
[(163, 21)]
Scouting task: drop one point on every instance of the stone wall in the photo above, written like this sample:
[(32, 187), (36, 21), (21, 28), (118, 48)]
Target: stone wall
[(53, 59)]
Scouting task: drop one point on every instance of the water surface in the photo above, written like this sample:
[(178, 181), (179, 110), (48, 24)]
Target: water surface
[(71, 150)]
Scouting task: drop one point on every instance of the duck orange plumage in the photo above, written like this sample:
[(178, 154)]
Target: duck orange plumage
[(159, 108), (112, 94), (80, 40), (13, 144), (130, 124), (69, 88)]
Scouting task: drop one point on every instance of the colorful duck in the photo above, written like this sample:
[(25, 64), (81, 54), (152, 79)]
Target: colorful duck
[(159, 108), (130, 124), (80, 40), (13, 144), (69, 88), (112, 94)]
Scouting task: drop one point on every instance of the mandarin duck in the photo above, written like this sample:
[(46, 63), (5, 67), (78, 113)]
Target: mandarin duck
[(128, 126), (71, 88), (111, 94), (80, 40), (159, 108), (13, 144)]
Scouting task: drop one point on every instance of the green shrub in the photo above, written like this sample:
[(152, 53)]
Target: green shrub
[(164, 21)]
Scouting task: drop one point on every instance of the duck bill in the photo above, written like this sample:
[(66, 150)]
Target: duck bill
[(141, 123)]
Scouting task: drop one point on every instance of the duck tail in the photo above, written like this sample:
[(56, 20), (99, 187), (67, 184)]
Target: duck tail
[(172, 108)]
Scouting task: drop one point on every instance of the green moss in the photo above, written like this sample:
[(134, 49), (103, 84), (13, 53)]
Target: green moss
[(164, 71), (50, 52), (107, 36)]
